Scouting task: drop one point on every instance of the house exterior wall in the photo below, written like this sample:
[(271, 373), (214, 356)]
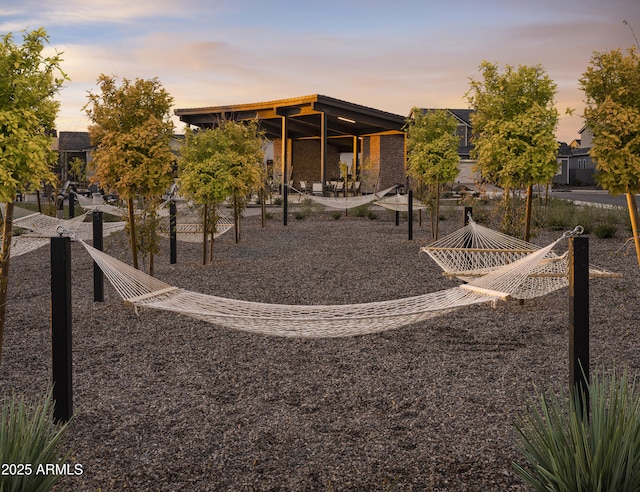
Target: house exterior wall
[(385, 154), (305, 161)]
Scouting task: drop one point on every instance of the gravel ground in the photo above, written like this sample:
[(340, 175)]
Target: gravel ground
[(166, 403)]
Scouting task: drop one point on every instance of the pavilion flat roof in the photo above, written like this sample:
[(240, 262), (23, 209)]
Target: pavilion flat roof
[(344, 120)]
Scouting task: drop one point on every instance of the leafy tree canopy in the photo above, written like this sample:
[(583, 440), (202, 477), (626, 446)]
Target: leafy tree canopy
[(514, 124), (131, 130), (612, 87), (221, 162), (432, 146), (28, 84)]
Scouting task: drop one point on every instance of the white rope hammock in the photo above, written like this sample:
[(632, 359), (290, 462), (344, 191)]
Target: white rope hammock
[(98, 203), (474, 251), (400, 203), (191, 232), (42, 227), (348, 201), (188, 224), (142, 290)]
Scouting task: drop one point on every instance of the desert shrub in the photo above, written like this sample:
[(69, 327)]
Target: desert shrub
[(559, 215), (361, 211), (605, 230), (336, 214), (587, 217), (29, 437), (568, 450)]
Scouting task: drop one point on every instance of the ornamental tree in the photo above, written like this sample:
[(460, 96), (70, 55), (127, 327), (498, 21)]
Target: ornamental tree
[(514, 124), (432, 146), (220, 163), (28, 84), (611, 84), (131, 130)]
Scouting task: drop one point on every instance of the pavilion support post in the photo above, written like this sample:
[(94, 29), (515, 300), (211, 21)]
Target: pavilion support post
[(61, 328), (285, 158), (323, 150), (579, 318), (355, 170), (98, 277)]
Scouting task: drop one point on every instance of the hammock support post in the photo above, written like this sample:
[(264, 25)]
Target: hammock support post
[(61, 328), (72, 204), (173, 235), (579, 317), (468, 212), (98, 277)]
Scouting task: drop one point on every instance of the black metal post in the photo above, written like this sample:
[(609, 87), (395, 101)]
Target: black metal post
[(98, 278), (410, 212), (579, 317), (173, 234), (468, 211), (61, 328), (285, 202), (468, 240), (72, 207)]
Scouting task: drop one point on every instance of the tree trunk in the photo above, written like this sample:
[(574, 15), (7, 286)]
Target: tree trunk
[(236, 217), (263, 207), (132, 233), (437, 222), (204, 233), (635, 226), (5, 255), (527, 216)]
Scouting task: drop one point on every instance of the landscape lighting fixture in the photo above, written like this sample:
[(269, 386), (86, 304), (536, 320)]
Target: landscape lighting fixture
[(346, 119)]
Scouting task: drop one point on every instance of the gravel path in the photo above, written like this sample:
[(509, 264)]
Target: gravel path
[(166, 403)]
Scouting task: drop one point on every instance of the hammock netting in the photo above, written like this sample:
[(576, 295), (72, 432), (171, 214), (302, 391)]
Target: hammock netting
[(40, 228), (474, 251), (522, 278), (347, 202), (400, 203), (188, 218)]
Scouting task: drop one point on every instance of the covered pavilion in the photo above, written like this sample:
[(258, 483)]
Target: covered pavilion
[(310, 132)]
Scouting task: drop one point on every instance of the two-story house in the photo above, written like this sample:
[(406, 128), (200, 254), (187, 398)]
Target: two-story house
[(575, 165)]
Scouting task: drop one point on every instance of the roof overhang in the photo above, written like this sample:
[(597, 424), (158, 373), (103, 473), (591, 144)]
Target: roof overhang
[(343, 120)]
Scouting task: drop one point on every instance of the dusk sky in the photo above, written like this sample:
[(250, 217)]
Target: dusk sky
[(389, 55)]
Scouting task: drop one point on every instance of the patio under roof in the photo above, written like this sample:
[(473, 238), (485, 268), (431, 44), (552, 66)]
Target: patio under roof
[(306, 117)]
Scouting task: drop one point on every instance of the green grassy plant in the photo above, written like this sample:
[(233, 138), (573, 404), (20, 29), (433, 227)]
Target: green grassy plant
[(361, 211), (28, 438), (605, 230), (559, 215), (566, 451)]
